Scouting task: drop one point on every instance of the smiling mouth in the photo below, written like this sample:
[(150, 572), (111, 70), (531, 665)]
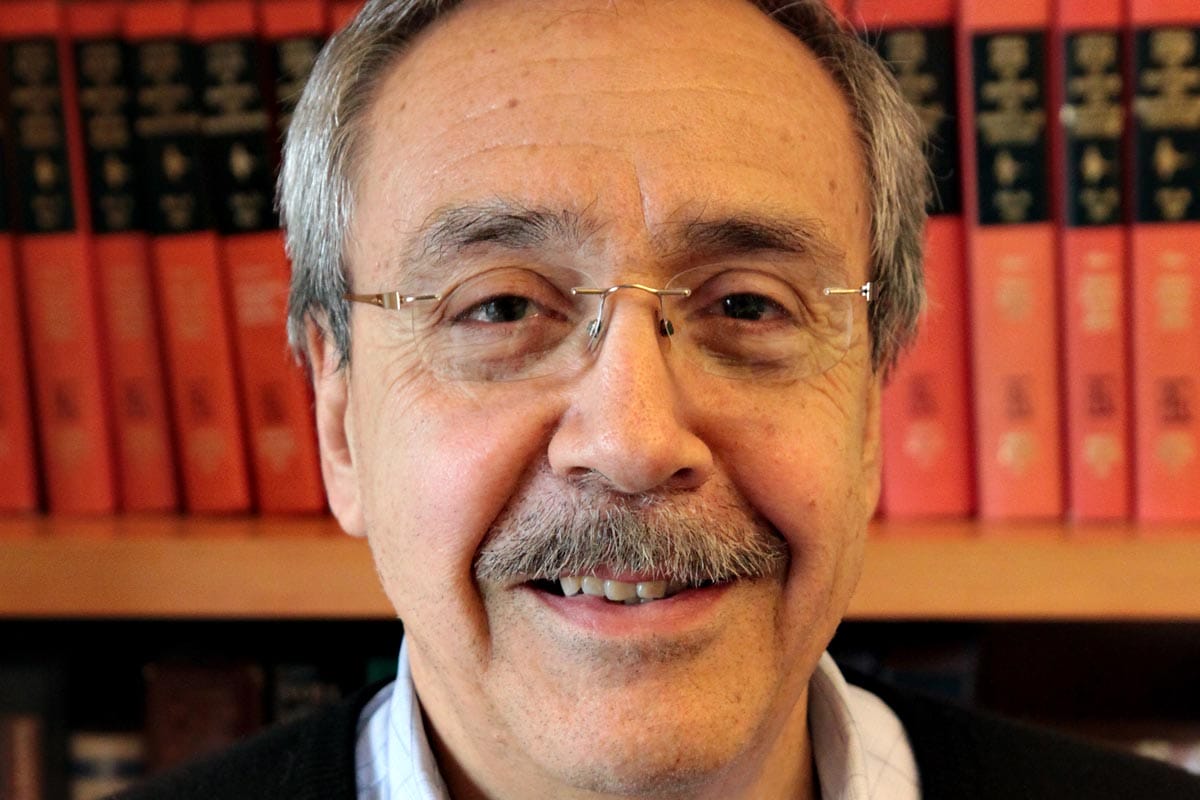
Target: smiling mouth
[(620, 592)]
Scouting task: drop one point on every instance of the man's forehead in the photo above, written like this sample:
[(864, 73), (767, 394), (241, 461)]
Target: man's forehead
[(564, 31), (642, 114), (491, 55)]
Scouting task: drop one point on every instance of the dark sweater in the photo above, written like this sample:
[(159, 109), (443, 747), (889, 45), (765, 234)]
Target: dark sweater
[(960, 754)]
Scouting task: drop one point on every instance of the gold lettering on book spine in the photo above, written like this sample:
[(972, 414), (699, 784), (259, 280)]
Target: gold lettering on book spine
[(164, 99), (1094, 111), (234, 95), (1011, 116), (1017, 118), (296, 59), (1093, 107), (907, 52), (37, 109), (1169, 91), (1175, 447), (1168, 103)]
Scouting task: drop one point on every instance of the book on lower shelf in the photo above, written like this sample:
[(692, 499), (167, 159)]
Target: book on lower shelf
[(32, 745), (101, 763), (196, 709)]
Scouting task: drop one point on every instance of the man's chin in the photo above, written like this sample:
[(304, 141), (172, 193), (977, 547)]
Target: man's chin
[(652, 700), (643, 753), (654, 774)]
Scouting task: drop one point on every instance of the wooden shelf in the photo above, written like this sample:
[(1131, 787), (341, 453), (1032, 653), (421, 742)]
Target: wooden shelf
[(1046, 571), (185, 567), (305, 568)]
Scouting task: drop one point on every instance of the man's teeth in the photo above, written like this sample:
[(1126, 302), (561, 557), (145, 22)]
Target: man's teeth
[(618, 591)]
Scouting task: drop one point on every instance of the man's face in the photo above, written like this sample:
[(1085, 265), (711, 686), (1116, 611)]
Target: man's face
[(631, 123)]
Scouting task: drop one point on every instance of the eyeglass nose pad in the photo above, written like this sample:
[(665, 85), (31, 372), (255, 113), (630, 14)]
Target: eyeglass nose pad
[(593, 329), (665, 328)]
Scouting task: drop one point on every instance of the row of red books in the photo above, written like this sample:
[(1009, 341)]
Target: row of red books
[(143, 281), (1056, 374)]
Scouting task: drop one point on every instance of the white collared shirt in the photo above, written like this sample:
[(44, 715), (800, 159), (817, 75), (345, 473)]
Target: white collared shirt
[(859, 744)]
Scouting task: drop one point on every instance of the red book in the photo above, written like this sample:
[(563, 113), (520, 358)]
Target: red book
[(1088, 170), (239, 144), (1166, 257), (18, 465), (186, 255), (927, 453), (145, 452), (55, 258), (1011, 257), (341, 12)]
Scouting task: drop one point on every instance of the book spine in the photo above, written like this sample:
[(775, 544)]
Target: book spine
[(22, 760), (145, 453), (1088, 167), (54, 253), (195, 709), (19, 490), (239, 143), (1166, 257), (1012, 265), (102, 763), (927, 455), (32, 735), (187, 261)]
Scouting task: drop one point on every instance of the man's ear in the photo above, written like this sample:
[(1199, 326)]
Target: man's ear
[(331, 387)]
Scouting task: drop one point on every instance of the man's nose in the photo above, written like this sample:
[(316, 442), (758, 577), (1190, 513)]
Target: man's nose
[(628, 419)]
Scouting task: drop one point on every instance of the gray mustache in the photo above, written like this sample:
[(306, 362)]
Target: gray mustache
[(689, 545)]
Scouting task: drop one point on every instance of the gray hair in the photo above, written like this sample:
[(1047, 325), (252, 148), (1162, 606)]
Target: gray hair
[(319, 175)]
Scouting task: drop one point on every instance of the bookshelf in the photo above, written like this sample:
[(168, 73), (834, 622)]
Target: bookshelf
[(255, 568)]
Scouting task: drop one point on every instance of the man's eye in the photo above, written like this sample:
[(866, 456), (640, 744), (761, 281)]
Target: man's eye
[(748, 307), (506, 308)]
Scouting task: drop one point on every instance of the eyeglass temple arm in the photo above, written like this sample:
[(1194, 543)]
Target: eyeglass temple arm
[(389, 300), (664, 325), (866, 291)]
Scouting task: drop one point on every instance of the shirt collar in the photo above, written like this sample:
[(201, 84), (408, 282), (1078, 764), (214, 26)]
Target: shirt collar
[(859, 744)]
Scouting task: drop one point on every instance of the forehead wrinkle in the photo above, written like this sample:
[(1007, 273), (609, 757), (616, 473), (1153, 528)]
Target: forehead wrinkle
[(740, 234), (501, 223)]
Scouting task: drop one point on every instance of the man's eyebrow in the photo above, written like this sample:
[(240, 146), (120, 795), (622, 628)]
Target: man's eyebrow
[(501, 223), (509, 225), (744, 235)]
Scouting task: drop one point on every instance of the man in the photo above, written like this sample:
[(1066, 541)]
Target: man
[(598, 296)]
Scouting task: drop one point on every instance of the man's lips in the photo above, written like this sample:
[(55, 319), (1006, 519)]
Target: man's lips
[(687, 609), (628, 590)]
